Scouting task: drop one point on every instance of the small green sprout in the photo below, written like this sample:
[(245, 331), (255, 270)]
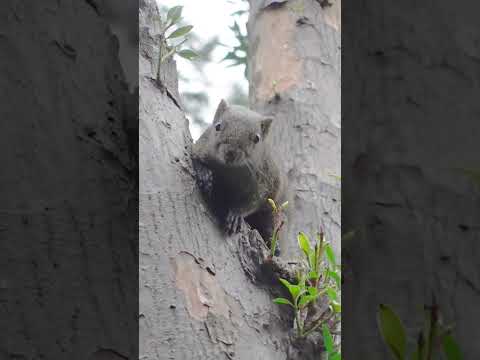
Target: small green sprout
[(167, 48), (278, 223), (320, 277), (332, 353), (301, 295)]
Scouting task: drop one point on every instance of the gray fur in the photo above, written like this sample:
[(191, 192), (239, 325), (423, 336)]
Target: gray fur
[(233, 148)]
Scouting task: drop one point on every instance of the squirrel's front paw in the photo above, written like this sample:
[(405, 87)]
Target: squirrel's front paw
[(277, 250), (233, 223), (204, 177)]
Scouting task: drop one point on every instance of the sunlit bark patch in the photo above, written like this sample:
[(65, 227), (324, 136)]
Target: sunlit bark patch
[(276, 54), (201, 289)]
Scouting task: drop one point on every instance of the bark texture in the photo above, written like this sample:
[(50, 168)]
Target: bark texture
[(203, 295), (68, 201), (294, 52), (417, 219), (197, 297)]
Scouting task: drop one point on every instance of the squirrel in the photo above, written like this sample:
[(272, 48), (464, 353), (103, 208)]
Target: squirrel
[(235, 169)]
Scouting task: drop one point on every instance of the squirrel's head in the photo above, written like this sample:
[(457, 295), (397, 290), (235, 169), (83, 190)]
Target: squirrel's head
[(237, 135)]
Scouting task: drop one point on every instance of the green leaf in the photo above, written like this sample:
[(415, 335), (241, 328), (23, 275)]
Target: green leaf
[(312, 291), (305, 300), (332, 294), (451, 348), (334, 275), (319, 247), (427, 329), (302, 278), (270, 201), (327, 339), (167, 55), (334, 356), (282, 301), (304, 243), (313, 275), (232, 56), (416, 355), (330, 255), (293, 289), (312, 260), (174, 14), (284, 205), (392, 331), (181, 31), (285, 283), (187, 54), (336, 307)]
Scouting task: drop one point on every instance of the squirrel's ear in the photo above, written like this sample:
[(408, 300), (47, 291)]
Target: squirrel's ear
[(220, 110), (265, 125)]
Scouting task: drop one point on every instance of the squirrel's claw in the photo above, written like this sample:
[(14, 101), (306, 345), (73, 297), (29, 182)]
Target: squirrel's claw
[(233, 223)]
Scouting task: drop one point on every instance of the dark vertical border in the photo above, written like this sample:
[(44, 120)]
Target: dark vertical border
[(69, 180), (410, 166)]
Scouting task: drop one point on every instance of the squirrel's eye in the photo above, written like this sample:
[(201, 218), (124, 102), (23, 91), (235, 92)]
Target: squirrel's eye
[(217, 127), (256, 138)]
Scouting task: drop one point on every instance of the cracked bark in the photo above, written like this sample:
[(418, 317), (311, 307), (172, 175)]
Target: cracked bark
[(68, 230), (197, 300), (203, 295), (295, 75)]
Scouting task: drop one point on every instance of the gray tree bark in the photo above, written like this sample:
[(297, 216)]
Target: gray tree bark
[(416, 217), (196, 302), (294, 53), (67, 212), (201, 292)]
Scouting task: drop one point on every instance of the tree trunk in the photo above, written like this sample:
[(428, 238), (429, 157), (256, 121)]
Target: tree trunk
[(196, 301), (203, 295), (68, 212), (198, 295), (294, 68), (413, 212)]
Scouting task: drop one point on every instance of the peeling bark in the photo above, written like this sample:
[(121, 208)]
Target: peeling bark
[(203, 294), (295, 75), (198, 295)]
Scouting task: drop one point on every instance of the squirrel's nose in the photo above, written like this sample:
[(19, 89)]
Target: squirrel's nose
[(229, 156)]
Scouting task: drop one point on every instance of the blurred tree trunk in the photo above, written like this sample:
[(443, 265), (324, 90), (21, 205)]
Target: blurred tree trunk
[(413, 212), (294, 71), (68, 254)]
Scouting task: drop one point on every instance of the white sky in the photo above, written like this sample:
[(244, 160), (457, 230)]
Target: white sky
[(211, 20)]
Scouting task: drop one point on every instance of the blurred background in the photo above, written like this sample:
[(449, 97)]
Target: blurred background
[(219, 72)]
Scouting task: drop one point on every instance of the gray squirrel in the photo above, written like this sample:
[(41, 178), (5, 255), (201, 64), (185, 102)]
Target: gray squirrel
[(235, 169)]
